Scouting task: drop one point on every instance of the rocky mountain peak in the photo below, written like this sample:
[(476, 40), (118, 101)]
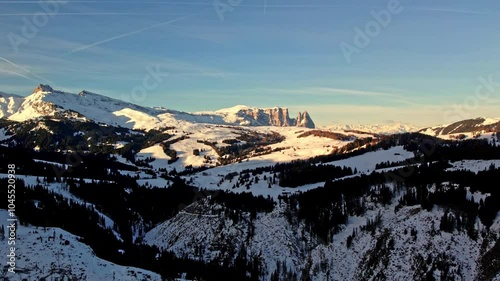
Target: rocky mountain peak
[(276, 116), (43, 88), (304, 120)]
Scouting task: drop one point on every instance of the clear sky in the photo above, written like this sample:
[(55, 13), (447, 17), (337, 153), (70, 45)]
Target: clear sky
[(422, 66)]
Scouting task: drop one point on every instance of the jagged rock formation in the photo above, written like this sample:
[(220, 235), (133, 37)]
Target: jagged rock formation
[(276, 116), (43, 88), (304, 120)]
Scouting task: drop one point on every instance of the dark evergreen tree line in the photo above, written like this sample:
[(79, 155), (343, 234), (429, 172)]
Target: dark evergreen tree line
[(40, 207), (325, 210)]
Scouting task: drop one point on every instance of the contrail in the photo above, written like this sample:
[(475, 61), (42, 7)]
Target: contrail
[(125, 35), (116, 1), (93, 14), (25, 70), (18, 74), (188, 4), (451, 11), (8, 61)]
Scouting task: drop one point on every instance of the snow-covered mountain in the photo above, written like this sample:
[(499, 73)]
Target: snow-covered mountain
[(464, 129), (46, 101), (276, 116), (9, 104), (407, 244), (388, 128), (468, 128)]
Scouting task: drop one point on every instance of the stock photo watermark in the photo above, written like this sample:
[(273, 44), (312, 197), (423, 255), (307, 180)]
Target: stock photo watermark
[(485, 88), (223, 6), (151, 80), (372, 29), (11, 220), (427, 149), (32, 25), (73, 159)]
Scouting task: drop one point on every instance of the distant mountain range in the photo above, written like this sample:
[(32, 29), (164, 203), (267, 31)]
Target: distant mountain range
[(45, 101), (468, 127), (48, 102), (464, 128), (386, 129)]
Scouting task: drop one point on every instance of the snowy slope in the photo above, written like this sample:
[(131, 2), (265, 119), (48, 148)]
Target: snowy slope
[(474, 165), (63, 257), (402, 259), (156, 152), (9, 104), (291, 148), (201, 231), (468, 128), (46, 101), (366, 163), (202, 227), (215, 178), (60, 189)]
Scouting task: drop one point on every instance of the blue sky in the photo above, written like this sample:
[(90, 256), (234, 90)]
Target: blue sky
[(423, 67)]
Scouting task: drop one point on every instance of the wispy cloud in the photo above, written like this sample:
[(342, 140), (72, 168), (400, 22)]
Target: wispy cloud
[(25, 70), (325, 92), (178, 3), (91, 14), (369, 114), (41, 59), (429, 115), (15, 73), (447, 10), (82, 48), (21, 90), (352, 92)]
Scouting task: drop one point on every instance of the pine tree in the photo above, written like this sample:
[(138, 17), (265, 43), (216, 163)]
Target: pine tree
[(276, 275)]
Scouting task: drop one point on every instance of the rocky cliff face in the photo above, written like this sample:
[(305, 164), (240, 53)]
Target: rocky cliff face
[(276, 116), (270, 116), (304, 120), (43, 88)]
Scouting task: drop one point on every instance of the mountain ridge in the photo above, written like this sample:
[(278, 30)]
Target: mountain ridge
[(464, 128), (384, 129), (48, 102), (274, 116)]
